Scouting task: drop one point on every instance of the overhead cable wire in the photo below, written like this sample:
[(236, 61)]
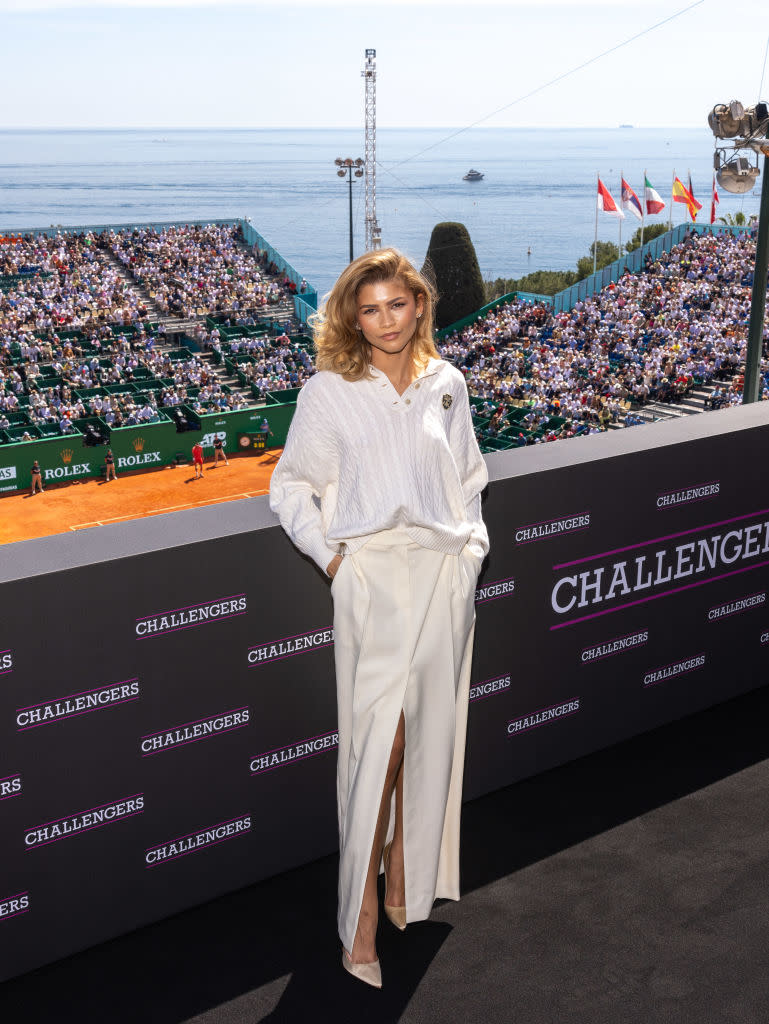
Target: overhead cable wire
[(763, 70), (507, 106), (411, 188), (554, 81)]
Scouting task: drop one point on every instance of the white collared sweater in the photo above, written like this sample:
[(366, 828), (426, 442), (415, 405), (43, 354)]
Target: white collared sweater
[(360, 458)]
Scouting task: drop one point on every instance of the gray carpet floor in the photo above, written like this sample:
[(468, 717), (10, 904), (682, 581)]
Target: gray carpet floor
[(630, 886)]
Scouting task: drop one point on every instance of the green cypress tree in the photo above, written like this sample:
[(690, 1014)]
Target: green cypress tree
[(452, 265), (650, 231)]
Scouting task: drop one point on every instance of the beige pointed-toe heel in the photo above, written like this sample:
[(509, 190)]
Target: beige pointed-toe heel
[(370, 973), (396, 915)]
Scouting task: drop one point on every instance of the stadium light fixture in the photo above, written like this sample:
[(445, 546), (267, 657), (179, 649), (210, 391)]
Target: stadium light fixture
[(747, 129), (346, 168), (737, 175)]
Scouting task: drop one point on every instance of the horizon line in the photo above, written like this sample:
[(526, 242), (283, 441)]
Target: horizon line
[(317, 127)]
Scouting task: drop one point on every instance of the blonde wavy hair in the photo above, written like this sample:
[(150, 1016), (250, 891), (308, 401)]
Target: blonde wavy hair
[(342, 348)]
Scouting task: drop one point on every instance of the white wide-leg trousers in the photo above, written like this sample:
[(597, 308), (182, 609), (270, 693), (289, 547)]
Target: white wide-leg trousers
[(404, 617)]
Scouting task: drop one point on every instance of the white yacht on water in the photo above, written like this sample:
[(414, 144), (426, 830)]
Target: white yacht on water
[(472, 176)]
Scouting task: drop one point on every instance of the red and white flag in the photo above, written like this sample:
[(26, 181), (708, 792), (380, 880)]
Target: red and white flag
[(606, 203), (714, 202)]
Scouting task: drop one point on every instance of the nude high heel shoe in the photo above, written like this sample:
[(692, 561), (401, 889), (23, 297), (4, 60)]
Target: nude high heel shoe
[(371, 973), (397, 915)]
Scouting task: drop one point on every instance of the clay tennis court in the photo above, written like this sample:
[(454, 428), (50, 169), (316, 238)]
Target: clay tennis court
[(92, 503)]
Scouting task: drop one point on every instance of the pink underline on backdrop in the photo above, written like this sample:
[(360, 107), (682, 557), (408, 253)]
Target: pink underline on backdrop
[(195, 739), (689, 487), (602, 643), (75, 714), (206, 718), (98, 807), (190, 625), (665, 593), (294, 636), (77, 832), (290, 746), (553, 519), (560, 704), (80, 693), (547, 536), (292, 760), (676, 675), (195, 849), (736, 611), (656, 540), (206, 828), (304, 650), (203, 604)]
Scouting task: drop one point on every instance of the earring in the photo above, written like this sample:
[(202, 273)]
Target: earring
[(418, 315), (357, 327)]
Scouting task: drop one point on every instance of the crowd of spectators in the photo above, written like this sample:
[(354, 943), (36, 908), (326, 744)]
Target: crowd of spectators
[(188, 379), (273, 365), (193, 269), (49, 284), (648, 337), (65, 314)]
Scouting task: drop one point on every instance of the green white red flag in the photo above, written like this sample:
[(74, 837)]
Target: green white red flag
[(652, 198)]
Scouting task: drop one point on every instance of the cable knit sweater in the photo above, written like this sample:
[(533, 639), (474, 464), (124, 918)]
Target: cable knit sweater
[(376, 460)]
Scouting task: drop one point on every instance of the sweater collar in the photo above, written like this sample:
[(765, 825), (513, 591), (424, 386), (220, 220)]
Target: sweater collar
[(433, 366)]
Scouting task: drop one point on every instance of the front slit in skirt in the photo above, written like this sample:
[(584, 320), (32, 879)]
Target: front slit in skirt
[(404, 617)]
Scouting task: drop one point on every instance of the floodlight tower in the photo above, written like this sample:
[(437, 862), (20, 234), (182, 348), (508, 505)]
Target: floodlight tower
[(373, 231)]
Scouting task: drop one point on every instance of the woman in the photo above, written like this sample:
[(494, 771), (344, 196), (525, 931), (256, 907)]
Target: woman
[(383, 437)]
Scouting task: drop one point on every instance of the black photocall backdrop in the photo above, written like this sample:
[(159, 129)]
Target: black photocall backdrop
[(167, 720)]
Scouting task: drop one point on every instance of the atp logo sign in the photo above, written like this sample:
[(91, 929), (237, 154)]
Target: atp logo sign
[(208, 439)]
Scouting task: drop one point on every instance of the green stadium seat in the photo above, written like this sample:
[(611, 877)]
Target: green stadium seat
[(14, 434)]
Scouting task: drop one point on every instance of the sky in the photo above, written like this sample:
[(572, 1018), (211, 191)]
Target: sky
[(251, 63)]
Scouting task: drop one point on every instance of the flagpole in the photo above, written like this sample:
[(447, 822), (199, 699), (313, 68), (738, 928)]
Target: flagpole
[(619, 219), (672, 186), (595, 240), (692, 211), (643, 212), (753, 387)]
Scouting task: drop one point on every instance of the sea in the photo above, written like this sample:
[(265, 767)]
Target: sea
[(534, 208)]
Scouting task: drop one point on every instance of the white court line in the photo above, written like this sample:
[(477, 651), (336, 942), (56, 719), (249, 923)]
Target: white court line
[(168, 508), (198, 504)]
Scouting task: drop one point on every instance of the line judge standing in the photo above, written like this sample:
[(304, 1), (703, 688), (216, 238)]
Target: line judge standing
[(383, 437), (36, 478)]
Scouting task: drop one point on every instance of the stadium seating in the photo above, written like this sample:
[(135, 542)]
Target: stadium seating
[(651, 336)]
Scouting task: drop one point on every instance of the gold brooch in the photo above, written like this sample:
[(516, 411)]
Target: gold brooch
[(447, 400)]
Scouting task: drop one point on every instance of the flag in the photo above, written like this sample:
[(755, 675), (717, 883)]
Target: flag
[(681, 194), (606, 203), (652, 198), (630, 200), (714, 202), (691, 193)]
